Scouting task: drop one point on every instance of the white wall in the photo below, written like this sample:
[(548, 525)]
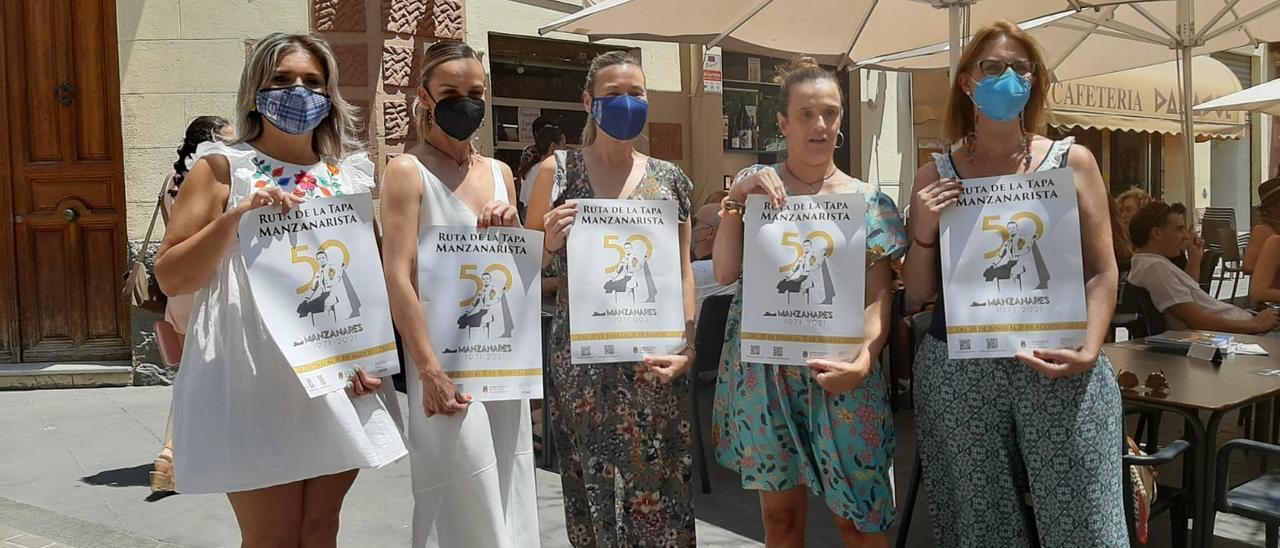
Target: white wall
[(888, 146), (1230, 177), (180, 59)]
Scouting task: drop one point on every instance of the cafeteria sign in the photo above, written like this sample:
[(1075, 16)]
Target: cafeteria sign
[(626, 294), (1012, 269), (317, 282)]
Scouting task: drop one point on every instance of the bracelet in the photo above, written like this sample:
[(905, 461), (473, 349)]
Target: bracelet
[(732, 207), (924, 245)]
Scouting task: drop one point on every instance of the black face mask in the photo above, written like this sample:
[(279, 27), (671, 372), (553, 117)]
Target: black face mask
[(459, 117)]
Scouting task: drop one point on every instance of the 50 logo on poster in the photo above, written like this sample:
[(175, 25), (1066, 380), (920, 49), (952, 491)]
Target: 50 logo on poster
[(626, 250), (803, 247), (991, 223), (297, 255), (468, 272)]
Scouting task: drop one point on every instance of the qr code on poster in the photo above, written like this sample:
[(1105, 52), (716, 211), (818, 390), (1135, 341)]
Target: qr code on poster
[(608, 349), (586, 351), (777, 351), (966, 344), (993, 343), (755, 350)]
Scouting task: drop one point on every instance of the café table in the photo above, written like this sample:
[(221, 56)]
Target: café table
[(1195, 387)]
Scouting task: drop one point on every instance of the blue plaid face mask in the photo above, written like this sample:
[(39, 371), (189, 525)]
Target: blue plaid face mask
[(294, 109)]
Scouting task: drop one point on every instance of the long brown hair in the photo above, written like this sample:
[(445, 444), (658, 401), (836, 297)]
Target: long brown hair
[(601, 62), (437, 54), (959, 120)]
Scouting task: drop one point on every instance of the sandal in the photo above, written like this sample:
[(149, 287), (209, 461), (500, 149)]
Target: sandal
[(162, 475)]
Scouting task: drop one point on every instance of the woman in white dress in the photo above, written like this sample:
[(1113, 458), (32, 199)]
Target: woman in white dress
[(473, 482), (243, 424)]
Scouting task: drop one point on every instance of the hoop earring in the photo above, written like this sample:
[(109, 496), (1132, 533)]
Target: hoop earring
[(839, 139)]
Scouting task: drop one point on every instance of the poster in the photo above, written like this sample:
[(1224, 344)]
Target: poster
[(317, 282), (713, 72), (803, 281), (483, 308), (1011, 266), (526, 116), (626, 297)]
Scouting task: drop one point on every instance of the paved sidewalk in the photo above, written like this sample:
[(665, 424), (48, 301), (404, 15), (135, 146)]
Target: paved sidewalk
[(78, 460), (76, 466)]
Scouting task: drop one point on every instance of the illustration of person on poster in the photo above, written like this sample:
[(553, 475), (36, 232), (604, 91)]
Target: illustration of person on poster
[(1002, 243)]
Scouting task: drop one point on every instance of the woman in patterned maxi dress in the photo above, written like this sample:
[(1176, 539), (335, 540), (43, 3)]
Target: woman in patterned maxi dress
[(826, 426), (1017, 451), (623, 429)]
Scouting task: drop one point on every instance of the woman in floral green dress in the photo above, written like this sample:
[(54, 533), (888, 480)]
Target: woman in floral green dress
[(623, 429), (826, 426)]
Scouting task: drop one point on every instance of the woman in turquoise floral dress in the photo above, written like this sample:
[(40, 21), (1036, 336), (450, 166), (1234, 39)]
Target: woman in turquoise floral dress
[(826, 426)]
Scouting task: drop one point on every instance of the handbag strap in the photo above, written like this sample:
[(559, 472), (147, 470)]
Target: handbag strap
[(146, 241)]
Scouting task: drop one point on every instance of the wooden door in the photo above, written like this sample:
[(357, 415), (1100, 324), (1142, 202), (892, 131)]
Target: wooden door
[(63, 198)]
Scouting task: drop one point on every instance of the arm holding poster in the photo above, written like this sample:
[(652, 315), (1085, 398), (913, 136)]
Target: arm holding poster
[(1100, 272), (202, 228), (837, 377), (401, 205), (667, 368)]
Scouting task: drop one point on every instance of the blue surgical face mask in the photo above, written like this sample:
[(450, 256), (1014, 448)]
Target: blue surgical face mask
[(621, 116), (294, 109), (1002, 97)]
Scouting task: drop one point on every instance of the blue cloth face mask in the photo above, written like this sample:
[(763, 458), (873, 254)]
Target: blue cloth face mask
[(294, 109), (621, 116), (1002, 97)]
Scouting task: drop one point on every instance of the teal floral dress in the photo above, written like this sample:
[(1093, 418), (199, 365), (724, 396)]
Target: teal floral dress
[(779, 429), (624, 437)]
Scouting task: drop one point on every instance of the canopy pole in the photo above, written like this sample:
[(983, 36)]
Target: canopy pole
[(1186, 33)]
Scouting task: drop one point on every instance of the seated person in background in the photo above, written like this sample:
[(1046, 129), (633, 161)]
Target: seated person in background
[(1159, 232), (1268, 223), (1264, 286), (1129, 202), (1120, 237), (705, 223)]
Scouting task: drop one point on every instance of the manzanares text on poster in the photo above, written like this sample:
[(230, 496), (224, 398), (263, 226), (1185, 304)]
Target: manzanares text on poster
[(816, 210), (482, 242), (1031, 190), (625, 214), (302, 220)]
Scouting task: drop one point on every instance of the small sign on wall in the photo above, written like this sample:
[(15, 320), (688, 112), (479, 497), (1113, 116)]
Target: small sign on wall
[(666, 141), (713, 72)]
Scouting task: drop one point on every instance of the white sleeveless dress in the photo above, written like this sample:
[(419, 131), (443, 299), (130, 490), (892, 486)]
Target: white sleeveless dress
[(473, 473), (242, 420)]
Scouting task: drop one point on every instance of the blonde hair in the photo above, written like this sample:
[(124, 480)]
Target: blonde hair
[(801, 70), (437, 54), (1137, 194), (337, 136), (959, 120), (601, 62)]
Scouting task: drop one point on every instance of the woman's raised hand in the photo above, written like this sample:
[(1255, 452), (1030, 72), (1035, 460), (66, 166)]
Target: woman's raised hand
[(498, 213), (765, 181), (266, 197), (932, 200), (556, 224)]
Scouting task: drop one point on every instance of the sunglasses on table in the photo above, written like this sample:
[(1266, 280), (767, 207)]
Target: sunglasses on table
[(996, 67)]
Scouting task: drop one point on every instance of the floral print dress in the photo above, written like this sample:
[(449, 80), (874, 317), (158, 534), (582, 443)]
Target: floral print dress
[(624, 437), (779, 429)]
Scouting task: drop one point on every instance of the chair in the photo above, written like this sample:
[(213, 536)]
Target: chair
[(1152, 320), (1232, 262), (1168, 499), (1209, 265), (1258, 499), (708, 342), (1127, 314)]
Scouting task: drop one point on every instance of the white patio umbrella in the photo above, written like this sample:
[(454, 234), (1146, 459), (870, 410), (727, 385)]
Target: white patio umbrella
[(832, 31), (1260, 98), (1125, 36)]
